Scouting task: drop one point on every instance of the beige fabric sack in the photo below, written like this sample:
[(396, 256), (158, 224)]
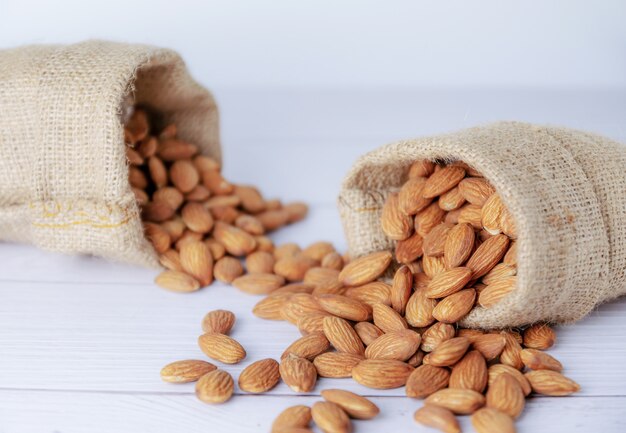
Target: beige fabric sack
[(63, 171), (566, 190)]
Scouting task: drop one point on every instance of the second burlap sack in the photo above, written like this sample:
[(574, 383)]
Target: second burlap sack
[(64, 175), (566, 190)]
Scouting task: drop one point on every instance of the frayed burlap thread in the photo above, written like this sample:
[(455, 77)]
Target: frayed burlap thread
[(566, 190), (64, 184)]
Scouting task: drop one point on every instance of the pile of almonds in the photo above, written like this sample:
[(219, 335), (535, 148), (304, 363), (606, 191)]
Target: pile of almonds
[(385, 323), (197, 221)]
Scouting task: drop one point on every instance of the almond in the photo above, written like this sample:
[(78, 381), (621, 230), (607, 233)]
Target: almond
[(318, 250), (487, 255), (470, 372), (454, 307), (459, 401), (196, 260), (198, 193), (286, 250), (489, 420), (332, 260), (428, 219), (505, 394), (421, 168), (299, 305), (511, 354), (353, 404), (367, 332), (425, 380), (218, 321), (186, 371), (295, 211), (258, 284), (396, 224), (399, 345), (215, 387), (471, 214), (214, 182), (539, 336), (410, 200), (409, 249), (177, 281), (184, 175), (330, 417), (401, 288), (435, 335), (227, 269), (308, 347), (365, 269), (293, 268), (197, 218), (459, 245), (236, 241), (497, 369), (160, 238), (552, 383), (381, 374), (387, 319), (496, 291), (260, 262), (174, 150), (507, 223), (221, 348), (538, 360), (434, 241), (336, 364), (476, 190), (371, 293), (442, 181), (437, 417), (273, 219), (270, 307), (448, 352), (499, 272), (419, 309), (448, 282), (170, 259), (251, 199), (342, 336), (260, 376), (491, 214), (345, 307), (298, 373), (433, 266), (490, 346), (451, 200), (292, 417), (250, 224), (311, 323)]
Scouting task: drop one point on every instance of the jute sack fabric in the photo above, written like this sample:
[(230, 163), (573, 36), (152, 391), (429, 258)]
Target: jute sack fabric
[(64, 174), (566, 190)]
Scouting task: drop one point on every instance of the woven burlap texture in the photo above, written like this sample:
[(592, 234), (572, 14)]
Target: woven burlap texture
[(64, 184), (566, 190)]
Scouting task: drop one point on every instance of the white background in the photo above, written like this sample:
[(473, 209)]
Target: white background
[(352, 43), (303, 89)]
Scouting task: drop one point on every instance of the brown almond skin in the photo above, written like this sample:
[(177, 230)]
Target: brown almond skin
[(435, 335), (387, 319), (511, 355), (442, 181), (459, 401), (298, 416), (353, 404), (218, 321), (308, 347), (409, 249), (215, 387), (552, 383), (368, 332), (448, 352), (489, 345), (448, 282), (365, 269), (454, 307), (311, 323), (497, 369), (258, 284), (336, 364), (186, 371), (435, 240), (260, 376), (330, 417), (177, 281), (470, 372), (451, 200), (298, 373), (539, 336), (398, 345), (344, 307), (401, 288), (476, 190), (221, 348), (505, 394), (419, 309), (438, 418), (371, 293), (260, 262), (342, 336), (459, 245), (489, 420), (396, 224), (537, 360), (421, 168), (410, 200), (425, 380), (429, 218), (300, 305), (381, 374), (227, 269), (487, 255)]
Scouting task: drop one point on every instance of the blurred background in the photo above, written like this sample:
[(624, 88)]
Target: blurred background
[(318, 83)]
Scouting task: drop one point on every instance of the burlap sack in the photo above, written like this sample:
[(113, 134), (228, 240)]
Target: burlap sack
[(63, 171), (566, 190)]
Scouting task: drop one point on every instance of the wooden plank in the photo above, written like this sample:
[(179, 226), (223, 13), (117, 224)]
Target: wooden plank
[(71, 412)]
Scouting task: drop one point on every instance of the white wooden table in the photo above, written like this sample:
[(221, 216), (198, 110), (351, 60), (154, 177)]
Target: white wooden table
[(82, 340)]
